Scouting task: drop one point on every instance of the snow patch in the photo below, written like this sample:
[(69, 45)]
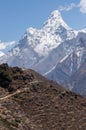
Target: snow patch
[(50, 70), (63, 59)]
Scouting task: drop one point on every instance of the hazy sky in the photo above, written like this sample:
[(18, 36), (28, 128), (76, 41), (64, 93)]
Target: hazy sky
[(18, 15)]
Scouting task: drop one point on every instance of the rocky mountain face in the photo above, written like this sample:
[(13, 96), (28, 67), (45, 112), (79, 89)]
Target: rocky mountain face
[(28, 101), (56, 48), (78, 79), (70, 65)]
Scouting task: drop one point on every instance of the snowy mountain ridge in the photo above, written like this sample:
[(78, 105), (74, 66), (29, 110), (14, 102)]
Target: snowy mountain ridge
[(6, 47), (55, 50), (54, 31)]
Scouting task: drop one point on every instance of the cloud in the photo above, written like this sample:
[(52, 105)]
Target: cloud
[(82, 6), (67, 7), (4, 45)]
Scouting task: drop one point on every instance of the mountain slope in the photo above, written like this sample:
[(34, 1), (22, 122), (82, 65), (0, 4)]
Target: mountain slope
[(38, 43), (71, 64), (31, 102), (78, 80), (55, 50)]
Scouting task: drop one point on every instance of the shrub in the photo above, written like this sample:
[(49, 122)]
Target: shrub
[(5, 75)]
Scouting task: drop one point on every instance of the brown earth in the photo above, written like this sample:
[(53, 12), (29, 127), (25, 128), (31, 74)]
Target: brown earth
[(28, 101)]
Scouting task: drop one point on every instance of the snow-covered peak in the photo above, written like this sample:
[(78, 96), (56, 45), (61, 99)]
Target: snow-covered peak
[(56, 14), (55, 20), (51, 35), (30, 31), (83, 30)]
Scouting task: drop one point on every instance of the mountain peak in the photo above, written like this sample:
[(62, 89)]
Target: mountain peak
[(55, 20), (56, 14)]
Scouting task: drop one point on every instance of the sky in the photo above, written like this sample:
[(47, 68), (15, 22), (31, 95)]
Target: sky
[(18, 15)]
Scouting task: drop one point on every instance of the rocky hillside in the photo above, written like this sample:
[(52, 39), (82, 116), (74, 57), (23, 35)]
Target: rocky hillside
[(29, 101)]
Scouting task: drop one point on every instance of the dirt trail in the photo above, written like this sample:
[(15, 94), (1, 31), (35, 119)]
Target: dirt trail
[(19, 91)]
